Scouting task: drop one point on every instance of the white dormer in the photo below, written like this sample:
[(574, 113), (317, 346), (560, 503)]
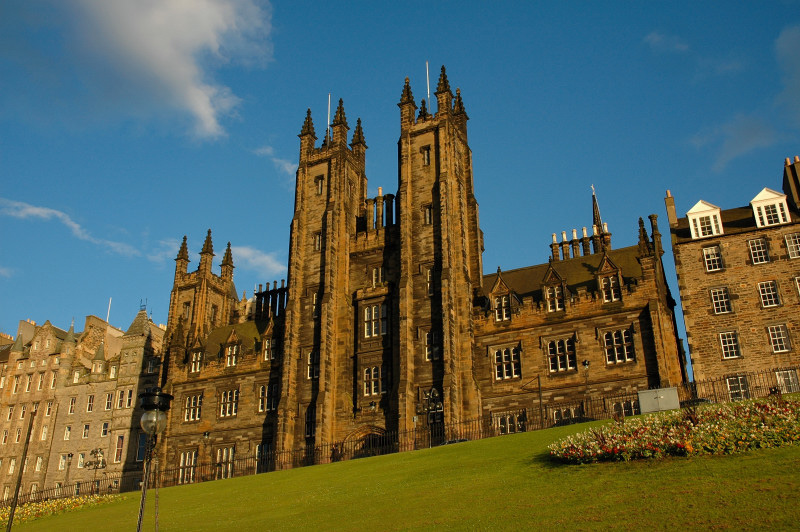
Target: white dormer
[(704, 220), (769, 208)]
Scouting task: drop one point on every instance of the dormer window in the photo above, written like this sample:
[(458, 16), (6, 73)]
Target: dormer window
[(769, 208), (609, 285), (704, 220), (231, 355), (555, 298), (197, 360), (502, 308)]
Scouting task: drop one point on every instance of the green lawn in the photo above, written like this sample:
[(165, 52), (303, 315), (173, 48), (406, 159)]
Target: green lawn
[(498, 483)]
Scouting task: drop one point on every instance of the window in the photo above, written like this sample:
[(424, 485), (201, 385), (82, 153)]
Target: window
[(53, 381), (213, 316), (72, 401), (141, 446), (12, 465), (374, 320), (320, 184), (130, 399), (627, 408), (377, 276), (112, 372), (67, 432), (120, 398), (197, 359), (152, 365), (758, 250), (427, 214), (771, 214), (317, 241), (778, 338), (16, 384), (431, 346), (272, 396), (90, 403), (510, 423), (729, 342), (738, 388), (104, 429), (502, 309), (232, 355), (109, 400), (372, 381), (229, 403), (10, 413), (311, 421), (787, 381), (506, 363), (555, 298), (313, 365), (619, 346), (712, 257), (193, 408), (22, 410), (426, 155), (40, 384), (2, 381), (768, 292), (44, 432), (720, 300), (76, 377), (562, 355), (224, 466), (85, 430), (314, 307), (38, 466), (609, 285), (28, 382), (186, 467), (703, 226), (262, 398), (187, 311), (19, 436), (49, 409), (267, 346), (119, 448), (793, 245), (81, 460)]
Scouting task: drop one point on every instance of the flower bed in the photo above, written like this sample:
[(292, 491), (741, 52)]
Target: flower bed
[(30, 511), (714, 429)]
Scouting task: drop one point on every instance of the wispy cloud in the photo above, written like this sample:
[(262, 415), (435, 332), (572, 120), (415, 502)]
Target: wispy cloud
[(5, 272), (661, 42), (737, 137), (786, 48), (21, 210), (164, 250), (264, 264), (287, 167)]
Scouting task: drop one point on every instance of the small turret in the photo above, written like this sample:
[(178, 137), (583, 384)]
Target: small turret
[(339, 125), (407, 106), (182, 260), (656, 234), (444, 97), (206, 254), (423, 112), (358, 144), (307, 135), (644, 242), (227, 264)]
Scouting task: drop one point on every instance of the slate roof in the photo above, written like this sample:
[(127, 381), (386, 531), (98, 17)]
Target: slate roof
[(248, 333), (577, 272), (734, 221)]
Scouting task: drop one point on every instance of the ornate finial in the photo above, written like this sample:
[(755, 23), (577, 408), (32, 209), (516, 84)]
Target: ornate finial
[(498, 268), (423, 111), (183, 252), (207, 246), (358, 135), (458, 106), (339, 118), (444, 85), (645, 248), (308, 126), (227, 259), (406, 97), (596, 212)]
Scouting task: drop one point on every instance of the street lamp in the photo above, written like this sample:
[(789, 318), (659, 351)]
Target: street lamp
[(98, 462), (154, 420)]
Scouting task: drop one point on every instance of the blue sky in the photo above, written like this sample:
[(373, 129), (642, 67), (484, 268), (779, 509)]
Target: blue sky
[(126, 124)]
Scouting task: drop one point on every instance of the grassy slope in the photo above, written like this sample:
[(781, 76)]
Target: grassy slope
[(505, 482)]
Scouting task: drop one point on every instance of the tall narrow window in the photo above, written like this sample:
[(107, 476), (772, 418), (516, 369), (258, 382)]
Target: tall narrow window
[(90, 403), (375, 320), (431, 346), (119, 448), (793, 245), (313, 365), (319, 183), (427, 211), (429, 281), (197, 359), (41, 381), (712, 257), (758, 250), (67, 432), (426, 155), (72, 401), (267, 347), (377, 276), (372, 381), (610, 288), (317, 241), (186, 466), (262, 398), (502, 308), (187, 311), (225, 462), (311, 421)]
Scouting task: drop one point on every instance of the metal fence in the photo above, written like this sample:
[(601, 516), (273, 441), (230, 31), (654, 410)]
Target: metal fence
[(536, 417)]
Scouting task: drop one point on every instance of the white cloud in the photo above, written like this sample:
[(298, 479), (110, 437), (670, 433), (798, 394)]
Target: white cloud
[(264, 264), (5, 272), (165, 250), (287, 167), (737, 137), (144, 55), (660, 42), (21, 210), (786, 48)]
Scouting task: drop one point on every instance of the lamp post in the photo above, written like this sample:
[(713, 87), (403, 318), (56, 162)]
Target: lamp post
[(98, 462), (154, 420)]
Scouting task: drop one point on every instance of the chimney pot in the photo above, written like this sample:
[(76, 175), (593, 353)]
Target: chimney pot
[(788, 161), (563, 236), (797, 158)]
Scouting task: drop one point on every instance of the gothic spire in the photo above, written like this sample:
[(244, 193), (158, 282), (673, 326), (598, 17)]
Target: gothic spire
[(444, 85), (644, 242), (406, 97), (596, 220), (70, 339), (458, 107), (227, 259), (358, 135), (308, 126), (208, 247), (339, 118), (183, 252), (423, 111)]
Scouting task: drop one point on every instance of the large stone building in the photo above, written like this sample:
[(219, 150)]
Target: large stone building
[(739, 281), (387, 314), (83, 387)]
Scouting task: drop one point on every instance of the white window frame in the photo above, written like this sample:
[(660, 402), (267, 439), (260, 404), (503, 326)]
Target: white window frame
[(609, 285), (375, 320), (720, 300), (729, 343), (768, 294), (759, 251), (738, 387), (431, 345), (372, 381), (712, 258), (229, 403), (793, 245), (193, 407), (788, 381), (561, 354), (618, 346), (555, 298), (232, 355), (705, 225), (779, 338), (197, 360), (312, 363), (507, 363), (502, 308)]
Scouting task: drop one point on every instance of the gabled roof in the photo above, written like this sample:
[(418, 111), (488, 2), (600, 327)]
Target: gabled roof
[(140, 324), (701, 207), (767, 194), (248, 333), (578, 272)]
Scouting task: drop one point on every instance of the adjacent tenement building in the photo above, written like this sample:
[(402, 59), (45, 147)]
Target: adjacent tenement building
[(387, 322), (739, 281)]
